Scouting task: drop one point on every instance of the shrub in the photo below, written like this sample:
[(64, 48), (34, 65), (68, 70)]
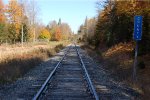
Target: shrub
[(45, 34)]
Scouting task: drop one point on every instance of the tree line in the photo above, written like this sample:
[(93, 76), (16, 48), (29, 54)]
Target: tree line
[(59, 31), (115, 24), (19, 22)]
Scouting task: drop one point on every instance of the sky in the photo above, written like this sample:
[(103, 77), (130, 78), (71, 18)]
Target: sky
[(72, 12)]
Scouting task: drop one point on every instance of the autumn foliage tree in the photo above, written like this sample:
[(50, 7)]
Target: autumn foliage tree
[(2, 21), (17, 19), (86, 31), (66, 31), (115, 23), (19, 23), (59, 31), (14, 11), (45, 34), (58, 34), (2, 16)]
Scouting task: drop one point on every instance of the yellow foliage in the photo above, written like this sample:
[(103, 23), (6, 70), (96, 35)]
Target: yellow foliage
[(2, 16), (45, 34), (58, 34), (15, 14), (117, 49)]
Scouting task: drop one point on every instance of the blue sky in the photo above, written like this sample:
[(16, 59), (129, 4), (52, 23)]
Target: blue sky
[(72, 12)]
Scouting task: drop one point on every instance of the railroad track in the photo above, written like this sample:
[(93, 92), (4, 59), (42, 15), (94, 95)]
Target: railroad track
[(69, 80)]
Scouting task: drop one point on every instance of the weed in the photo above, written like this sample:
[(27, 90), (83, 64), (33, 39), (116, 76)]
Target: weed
[(13, 67)]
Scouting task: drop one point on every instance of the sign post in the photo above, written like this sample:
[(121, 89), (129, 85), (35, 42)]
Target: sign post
[(137, 36)]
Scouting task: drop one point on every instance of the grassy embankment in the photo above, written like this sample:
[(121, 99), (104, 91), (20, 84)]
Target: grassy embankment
[(15, 60), (118, 61)]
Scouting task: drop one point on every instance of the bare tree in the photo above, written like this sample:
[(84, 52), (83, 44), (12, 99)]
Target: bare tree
[(22, 7), (32, 14), (52, 24)]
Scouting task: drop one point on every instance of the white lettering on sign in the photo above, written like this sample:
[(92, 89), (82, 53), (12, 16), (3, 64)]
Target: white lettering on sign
[(138, 27)]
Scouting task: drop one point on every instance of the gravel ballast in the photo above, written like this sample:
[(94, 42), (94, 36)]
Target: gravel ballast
[(106, 87)]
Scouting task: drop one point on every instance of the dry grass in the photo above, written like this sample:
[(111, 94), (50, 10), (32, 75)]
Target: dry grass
[(122, 56), (13, 51), (118, 60), (118, 49), (144, 76), (17, 60)]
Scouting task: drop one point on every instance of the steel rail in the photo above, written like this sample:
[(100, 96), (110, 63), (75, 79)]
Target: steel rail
[(43, 87), (90, 84)]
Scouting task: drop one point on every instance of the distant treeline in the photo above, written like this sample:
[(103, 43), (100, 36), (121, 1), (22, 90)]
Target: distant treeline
[(19, 22), (115, 24)]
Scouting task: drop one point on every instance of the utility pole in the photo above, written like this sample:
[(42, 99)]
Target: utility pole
[(86, 23), (34, 33), (33, 13), (22, 33)]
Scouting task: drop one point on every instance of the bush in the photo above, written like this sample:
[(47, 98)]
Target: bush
[(141, 65), (13, 68), (45, 34), (59, 47)]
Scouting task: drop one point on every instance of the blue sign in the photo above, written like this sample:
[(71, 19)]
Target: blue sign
[(137, 27)]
